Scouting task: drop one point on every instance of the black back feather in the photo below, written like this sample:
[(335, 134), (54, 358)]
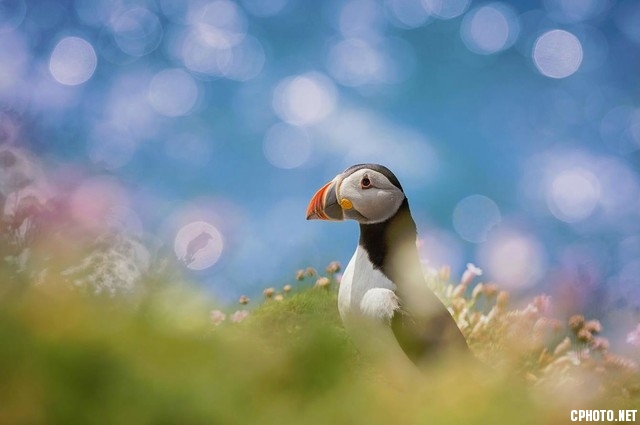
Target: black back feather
[(420, 337)]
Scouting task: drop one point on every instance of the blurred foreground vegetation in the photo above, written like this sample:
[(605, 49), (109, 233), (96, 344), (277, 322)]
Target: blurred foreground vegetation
[(98, 328), (67, 357)]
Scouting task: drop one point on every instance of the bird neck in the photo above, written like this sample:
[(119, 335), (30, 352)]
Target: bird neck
[(394, 235)]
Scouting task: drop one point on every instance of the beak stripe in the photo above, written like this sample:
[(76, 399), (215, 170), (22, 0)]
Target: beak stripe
[(316, 206)]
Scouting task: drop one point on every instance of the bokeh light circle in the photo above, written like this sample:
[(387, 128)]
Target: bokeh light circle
[(619, 187), (73, 61), (573, 194), (474, 217), (354, 62), (438, 248), (173, 92), (198, 245), (247, 59), (446, 9), (205, 58), (557, 54), (304, 99), (287, 146), (137, 31), (514, 259), (220, 21), (407, 13), (361, 18), (490, 28)]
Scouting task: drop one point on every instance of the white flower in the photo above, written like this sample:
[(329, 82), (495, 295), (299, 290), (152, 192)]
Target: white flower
[(469, 274), (633, 337), (323, 282)]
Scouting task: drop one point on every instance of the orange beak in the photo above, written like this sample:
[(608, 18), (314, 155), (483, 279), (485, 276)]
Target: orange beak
[(324, 204)]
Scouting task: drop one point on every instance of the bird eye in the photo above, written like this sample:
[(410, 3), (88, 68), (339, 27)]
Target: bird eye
[(365, 183)]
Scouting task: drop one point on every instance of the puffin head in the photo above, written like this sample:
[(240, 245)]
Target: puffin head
[(367, 193)]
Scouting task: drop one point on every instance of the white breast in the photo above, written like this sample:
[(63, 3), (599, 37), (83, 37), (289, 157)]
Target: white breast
[(358, 279)]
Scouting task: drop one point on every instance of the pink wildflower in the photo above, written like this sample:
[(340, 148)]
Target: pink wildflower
[(269, 292), (490, 290), (217, 317), (239, 316), (599, 343), (593, 326), (542, 303), (444, 274), (333, 267), (502, 299)]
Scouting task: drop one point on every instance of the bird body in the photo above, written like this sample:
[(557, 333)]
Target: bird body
[(367, 291), (384, 281)]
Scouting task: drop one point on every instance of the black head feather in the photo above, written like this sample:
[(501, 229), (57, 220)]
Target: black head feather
[(376, 167)]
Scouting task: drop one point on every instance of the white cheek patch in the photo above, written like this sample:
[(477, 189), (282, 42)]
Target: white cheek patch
[(372, 205), (379, 204)]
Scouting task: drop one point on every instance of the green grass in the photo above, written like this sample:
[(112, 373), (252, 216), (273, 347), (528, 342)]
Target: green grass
[(68, 358)]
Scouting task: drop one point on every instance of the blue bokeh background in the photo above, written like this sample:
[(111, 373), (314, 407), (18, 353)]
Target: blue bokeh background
[(513, 126)]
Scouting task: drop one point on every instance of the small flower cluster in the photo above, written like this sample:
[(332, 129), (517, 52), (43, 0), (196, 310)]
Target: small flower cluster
[(218, 317), (541, 348), (45, 240), (323, 282), (270, 293), (546, 351)]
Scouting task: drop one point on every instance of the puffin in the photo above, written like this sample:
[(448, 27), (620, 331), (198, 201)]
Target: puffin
[(384, 280)]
